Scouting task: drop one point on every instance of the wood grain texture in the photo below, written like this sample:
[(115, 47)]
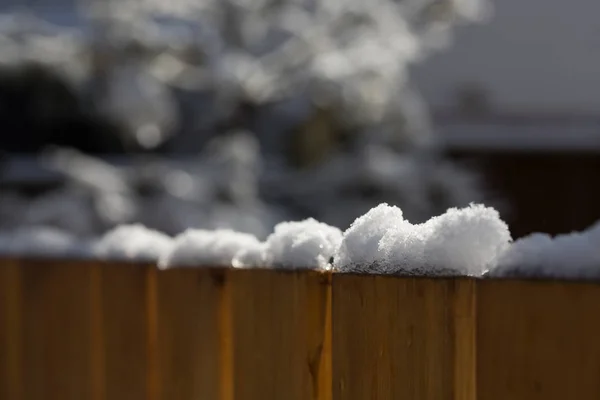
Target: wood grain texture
[(123, 332), (281, 335), (538, 340), (57, 323), (91, 330), (188, 305), (11, 382), (402, 338)]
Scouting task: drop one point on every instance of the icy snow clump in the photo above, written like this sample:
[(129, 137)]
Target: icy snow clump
[(359, 250), (568, 256), (41, 242), (132, 242), (301, 244), (469, 240), (199, 247), (465, 241), (250, 257)]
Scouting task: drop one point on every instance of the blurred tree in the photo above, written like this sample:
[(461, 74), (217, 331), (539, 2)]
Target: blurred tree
[(38, 108), (305, 77)]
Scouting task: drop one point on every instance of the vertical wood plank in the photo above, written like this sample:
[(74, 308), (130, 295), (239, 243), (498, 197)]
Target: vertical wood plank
[(56, 331), (402, 338), (538, 340), (465, 339), (188, 334), (11, 383), (125, 331), (281, 335), (97, 334)]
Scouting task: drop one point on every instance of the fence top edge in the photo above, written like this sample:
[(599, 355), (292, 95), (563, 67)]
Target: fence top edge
[(86, 262)]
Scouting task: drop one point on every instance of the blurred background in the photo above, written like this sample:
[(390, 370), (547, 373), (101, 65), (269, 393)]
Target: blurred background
[(243, 113)]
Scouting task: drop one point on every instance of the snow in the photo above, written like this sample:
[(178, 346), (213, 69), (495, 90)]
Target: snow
[(132, 242), (360, 246), (200, 247), (465, 241), (567, 256), (470, 240), (41, 242), (252, 256), (302, 244)]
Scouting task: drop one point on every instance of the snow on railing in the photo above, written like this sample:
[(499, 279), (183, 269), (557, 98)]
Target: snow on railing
[(464, 241), (472, 241)]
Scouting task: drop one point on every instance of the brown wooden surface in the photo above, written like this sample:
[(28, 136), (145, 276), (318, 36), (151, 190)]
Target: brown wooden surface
[(11, 372), (281, 335), (538, 340), (402, 338), (188, 330), (56, 309), (123, 331), (72, 330)]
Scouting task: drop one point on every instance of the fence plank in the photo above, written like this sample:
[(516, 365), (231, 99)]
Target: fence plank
[(403, 338), (56, 338), (538, 340), (124, 331), (10, 331), (188, 334), (281, 335)]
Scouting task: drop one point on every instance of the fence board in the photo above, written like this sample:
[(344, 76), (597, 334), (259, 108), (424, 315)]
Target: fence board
[(538, 340), (188, 336), (124, 329), (56, 313), (281, 335), (402, 338), (99, 331), (10, 331)]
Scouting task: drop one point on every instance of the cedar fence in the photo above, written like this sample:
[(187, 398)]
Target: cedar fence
[(108, 331)]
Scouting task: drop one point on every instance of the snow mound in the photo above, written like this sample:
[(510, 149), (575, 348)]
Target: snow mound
[(41, 242), (132, 242), (567, 256), (199, 247), (301, 244), (252, 256), (465, 241), (469, 240), (359, 250)]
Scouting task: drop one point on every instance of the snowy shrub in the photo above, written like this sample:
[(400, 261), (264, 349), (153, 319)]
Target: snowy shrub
[(257, 69), (265, 68)]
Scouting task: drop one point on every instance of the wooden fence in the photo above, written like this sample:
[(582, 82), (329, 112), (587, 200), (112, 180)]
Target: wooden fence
[(72, 331)]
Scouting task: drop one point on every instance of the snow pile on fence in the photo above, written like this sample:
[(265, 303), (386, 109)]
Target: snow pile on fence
[(199, 247), (132, 242), (464, 241), (572, 255), (302, 244)]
